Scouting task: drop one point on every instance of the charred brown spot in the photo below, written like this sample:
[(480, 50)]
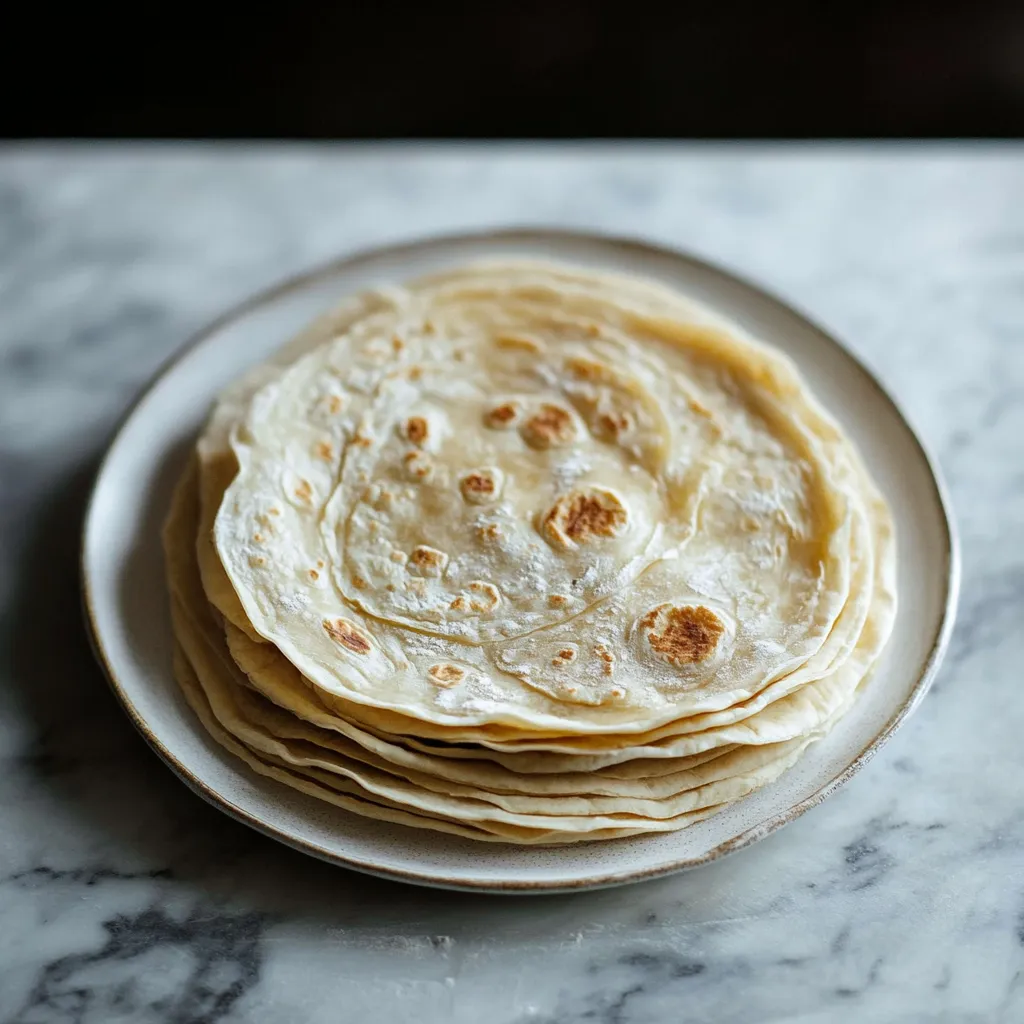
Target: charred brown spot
[(687, 634), (481, 486), (502, 415), (614, 425), (359, 582), (314, 575), (564, 657), (446, 674), (416, 429), (418, 465), (490, 594), (324, 451), (488, 532), (429, 561), (579, 516), (478, 483), (349, 635), (550, 427), (558, 601), (606, 657)]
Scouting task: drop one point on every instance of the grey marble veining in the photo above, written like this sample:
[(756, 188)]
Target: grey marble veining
[(123, 897)]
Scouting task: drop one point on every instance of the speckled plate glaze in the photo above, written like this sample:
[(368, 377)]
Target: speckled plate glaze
[(126, 606)]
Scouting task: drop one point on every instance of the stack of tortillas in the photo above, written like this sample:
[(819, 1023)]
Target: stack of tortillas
[(529, 554)]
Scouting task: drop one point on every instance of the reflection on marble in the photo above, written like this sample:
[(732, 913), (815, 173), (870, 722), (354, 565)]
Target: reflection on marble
[(123, 897)]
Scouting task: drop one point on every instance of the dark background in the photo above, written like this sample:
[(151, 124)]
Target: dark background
[(556, 69)]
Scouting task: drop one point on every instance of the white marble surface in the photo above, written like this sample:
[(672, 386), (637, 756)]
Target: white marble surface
[(124, 898)]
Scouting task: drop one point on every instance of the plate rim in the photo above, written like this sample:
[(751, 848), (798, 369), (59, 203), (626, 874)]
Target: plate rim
[(524, 234)]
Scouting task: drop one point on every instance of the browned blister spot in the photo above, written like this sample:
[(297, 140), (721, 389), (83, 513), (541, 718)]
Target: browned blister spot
[(488, 532), (324, 451), (615, 424), (334, 404), (446, 674), (349, 635), (564, 657), (557, 601), (550, 427), (459, 604), (416, 429), (304, 492), (582, 515), (275, 511), (503, 415), (490, 596), (257, 560), (415, 372), (257, 538), (427, 560), (359, 582), (606, 657), (314, 575), (480, 486), (397, 344), (687, 634), (418, 465)]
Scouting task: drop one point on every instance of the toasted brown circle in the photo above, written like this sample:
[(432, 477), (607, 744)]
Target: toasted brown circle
[(565, 656), (427, 561), (614, 425), (489, 596), (349, 635), (446, 674), (416, 429), (683, 634), (550, 427), (580, 516), (418, 466), (481, 486), (488, 532), (503, 416), (606, 657)]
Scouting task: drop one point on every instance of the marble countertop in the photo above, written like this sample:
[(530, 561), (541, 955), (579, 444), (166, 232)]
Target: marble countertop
[(123, 897)]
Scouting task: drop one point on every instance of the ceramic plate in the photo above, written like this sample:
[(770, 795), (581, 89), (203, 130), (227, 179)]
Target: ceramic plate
[(127, 612)]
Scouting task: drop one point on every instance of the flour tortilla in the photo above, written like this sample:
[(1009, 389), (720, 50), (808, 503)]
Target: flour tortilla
[(265, 527), (272, 731)]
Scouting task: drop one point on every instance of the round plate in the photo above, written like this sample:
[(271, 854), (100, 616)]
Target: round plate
[(126, 608)]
